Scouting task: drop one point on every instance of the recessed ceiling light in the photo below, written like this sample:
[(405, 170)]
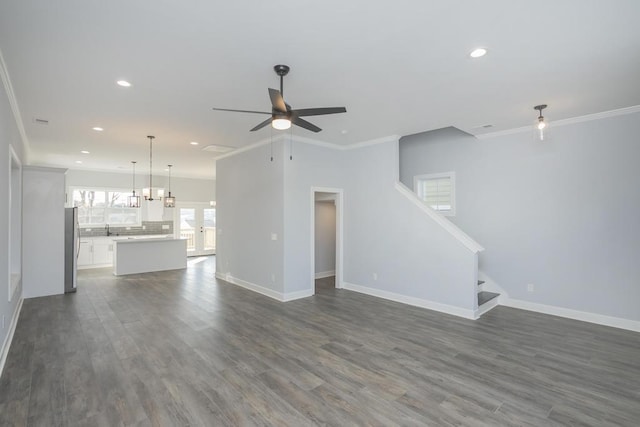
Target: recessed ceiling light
[(344, 131), (98, 129), (123, 83), (479, 52), (194, 143), (79, 162), (84, 152)]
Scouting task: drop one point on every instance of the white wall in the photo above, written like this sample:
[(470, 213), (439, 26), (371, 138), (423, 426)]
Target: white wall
[(185, 189), (9, 135), (325, 238), (561, 215)]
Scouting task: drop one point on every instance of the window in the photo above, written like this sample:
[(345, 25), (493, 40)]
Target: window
[(438, 191), (100, 206)]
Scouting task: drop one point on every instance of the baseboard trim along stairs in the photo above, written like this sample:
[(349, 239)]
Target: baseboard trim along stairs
[(486, 300)]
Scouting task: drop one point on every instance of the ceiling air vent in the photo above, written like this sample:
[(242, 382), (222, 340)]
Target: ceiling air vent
[(40, 121), (218, 148)]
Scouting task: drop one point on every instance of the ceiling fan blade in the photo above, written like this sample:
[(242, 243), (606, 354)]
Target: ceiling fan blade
[(261, 125), (240, 111), (305, 124), (318, 111), (277, 101)]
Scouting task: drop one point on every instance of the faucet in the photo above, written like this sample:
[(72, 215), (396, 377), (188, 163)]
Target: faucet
[(106, 227)]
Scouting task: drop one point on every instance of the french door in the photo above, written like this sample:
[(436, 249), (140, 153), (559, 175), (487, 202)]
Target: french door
[(196, 222)]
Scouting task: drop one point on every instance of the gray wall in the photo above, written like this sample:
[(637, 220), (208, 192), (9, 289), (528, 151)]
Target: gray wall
[(384, 232), (325, 236), (9, 135), (561, 215), (250, 203)]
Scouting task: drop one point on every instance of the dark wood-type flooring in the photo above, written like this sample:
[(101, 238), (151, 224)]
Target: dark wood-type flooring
[(181, 348)]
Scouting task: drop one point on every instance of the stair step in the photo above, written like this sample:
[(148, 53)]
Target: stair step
[(484, 297), (480, 282)]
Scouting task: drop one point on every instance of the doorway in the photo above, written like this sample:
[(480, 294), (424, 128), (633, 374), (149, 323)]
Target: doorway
[(326, 239), (196, 222)]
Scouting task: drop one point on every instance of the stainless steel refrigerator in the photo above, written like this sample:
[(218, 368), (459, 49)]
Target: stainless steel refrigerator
[(71, 248)]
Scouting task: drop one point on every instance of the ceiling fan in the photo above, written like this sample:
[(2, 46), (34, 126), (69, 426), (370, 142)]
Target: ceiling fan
[(282, 116)]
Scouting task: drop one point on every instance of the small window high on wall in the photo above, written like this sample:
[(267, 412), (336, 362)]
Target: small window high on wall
[(438, 191), (101, 206)]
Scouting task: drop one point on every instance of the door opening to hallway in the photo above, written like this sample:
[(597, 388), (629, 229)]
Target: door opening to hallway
[(326, 236)]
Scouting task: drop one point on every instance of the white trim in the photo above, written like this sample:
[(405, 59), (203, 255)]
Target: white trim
[(6, 345), (278, 296), (14, 278), (563, 122), (456, 232), (487, 306), (600, 319), (310, 141), (250, 286), (13, 102), (323, 274), (417, 302), (305, 293)]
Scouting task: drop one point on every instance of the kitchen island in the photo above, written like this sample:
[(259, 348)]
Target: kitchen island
[(144, 255)]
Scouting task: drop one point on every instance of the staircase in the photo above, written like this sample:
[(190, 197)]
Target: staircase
[(486, 300)]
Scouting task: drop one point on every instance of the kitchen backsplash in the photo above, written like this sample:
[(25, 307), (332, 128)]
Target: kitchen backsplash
[(147, 228)]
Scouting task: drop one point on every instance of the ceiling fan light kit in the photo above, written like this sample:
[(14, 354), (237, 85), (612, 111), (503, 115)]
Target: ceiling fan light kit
[(282, 115)]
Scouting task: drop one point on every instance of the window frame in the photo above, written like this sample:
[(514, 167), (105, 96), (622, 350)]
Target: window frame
[(417, 188), (124, 191)]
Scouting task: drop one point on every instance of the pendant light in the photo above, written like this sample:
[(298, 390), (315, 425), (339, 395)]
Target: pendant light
[(149, 196), (541, 124), (170, 201), (134, 201)]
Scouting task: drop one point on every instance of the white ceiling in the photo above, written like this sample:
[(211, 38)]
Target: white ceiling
[(398, 67)]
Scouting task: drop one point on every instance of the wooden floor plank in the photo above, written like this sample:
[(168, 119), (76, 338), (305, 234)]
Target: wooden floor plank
[(181, 348)]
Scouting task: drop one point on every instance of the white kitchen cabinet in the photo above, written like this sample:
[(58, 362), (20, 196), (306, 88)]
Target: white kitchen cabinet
[(98, 251), (103, 251), (85, 255)]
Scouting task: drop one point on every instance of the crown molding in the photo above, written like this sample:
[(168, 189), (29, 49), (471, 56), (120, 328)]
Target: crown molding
[(564, 122), (13, 102)]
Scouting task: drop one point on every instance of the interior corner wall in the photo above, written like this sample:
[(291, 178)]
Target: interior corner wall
[(9, 135), (249, 212), (561, 215)]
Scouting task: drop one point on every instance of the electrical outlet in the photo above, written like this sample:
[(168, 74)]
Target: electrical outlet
[(530, 287), (375, 276), (273, 277), (274, 236)]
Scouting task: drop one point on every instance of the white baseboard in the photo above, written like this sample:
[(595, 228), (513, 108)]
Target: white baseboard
[(600, 319), (323, 274), (7, 341), (279, 296), (297, 295), (418, 302), (487, 306)]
